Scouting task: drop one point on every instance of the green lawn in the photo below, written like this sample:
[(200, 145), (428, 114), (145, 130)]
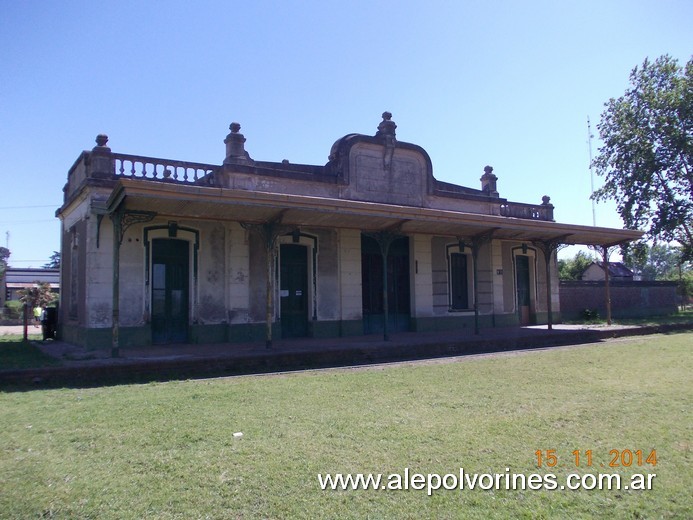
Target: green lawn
[(167, 450)]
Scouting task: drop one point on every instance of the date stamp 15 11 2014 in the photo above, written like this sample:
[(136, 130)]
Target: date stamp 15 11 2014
[(586, 458)]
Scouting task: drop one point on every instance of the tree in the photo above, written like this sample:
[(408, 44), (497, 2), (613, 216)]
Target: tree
[(4, 255), (573, 268), (647, 155), (54, 262), (39, 295), (659, 262)]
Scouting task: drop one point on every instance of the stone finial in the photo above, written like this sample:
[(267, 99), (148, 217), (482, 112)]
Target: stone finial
[(387, 126), (488, 182), (235, 149), (547, 208), (101, 148), (101, 141), (101, 162)]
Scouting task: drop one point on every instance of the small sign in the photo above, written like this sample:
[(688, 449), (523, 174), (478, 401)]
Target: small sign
[(284, 293)]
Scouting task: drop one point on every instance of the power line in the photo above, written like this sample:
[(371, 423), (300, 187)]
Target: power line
[(3, 222), (29, 207)]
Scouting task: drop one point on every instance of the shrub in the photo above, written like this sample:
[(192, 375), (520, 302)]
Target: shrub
[(13, 310), (590, 314)]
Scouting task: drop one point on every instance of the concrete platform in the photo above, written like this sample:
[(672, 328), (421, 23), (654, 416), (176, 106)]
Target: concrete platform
[(80, 367)]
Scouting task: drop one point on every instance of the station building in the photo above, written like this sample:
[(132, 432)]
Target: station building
[(158, 251)]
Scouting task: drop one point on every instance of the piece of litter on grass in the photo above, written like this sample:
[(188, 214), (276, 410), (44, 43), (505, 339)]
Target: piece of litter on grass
[(238, 434)]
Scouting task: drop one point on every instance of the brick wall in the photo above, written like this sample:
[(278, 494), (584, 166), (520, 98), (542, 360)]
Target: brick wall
[(628, 299)]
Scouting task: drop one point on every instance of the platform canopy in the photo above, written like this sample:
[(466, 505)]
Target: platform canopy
[(204, 202)]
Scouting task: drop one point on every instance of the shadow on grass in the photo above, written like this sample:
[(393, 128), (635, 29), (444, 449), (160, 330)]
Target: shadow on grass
[(16, 354)]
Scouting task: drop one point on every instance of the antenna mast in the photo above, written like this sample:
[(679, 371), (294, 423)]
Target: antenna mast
[(589, 144)]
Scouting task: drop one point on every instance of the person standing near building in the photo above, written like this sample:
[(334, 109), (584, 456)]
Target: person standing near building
[(38, 311)]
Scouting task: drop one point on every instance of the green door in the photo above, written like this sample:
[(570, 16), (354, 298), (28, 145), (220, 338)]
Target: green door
[(170, 289), (293, 290), (523, 294), (372, 276)]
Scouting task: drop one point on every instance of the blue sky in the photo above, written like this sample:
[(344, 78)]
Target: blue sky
[(508, 84)]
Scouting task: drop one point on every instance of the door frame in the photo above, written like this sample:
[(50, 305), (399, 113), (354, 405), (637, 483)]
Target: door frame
[(171, 230), (397, 322), (294, 319), (531, 254), (311, 243), (173, 325)]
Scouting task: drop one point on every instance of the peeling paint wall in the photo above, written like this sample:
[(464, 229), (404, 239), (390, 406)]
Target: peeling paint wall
[(439, 276), (238, 277), (350, 274), (422, 276), (258, 279), (327, 275), (132, 278), (100, 272), (211, 307)]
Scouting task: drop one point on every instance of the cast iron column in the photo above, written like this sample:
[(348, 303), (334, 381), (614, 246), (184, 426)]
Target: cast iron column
[(478, 241), (549, 247)]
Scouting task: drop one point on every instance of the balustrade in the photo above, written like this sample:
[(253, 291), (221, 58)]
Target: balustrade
[(139, 167), (527, 211)]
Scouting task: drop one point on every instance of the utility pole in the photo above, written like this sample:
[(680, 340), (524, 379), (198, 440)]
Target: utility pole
[(589, 145)]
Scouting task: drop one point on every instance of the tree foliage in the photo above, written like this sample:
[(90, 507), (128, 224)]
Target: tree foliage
[(658, 262), (38, 295), (4, 255), (572, 268), (647, 153), (54, 262)]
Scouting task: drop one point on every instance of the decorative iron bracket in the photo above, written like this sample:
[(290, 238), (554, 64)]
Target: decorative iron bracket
[(123, 219)]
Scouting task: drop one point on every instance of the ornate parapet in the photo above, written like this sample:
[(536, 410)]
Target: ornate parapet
[(166, 170), (543, 211)]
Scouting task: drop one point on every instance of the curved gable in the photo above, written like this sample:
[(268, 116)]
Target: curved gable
[(378, 169)]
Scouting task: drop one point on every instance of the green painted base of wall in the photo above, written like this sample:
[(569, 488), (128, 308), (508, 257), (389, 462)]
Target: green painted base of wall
[(251, 332), (542, 318), (135, 336), (507, 320), (208, 333), (101, 338), (351, 328), (443, 323), (335, 329), (431, 324), (323, 329)]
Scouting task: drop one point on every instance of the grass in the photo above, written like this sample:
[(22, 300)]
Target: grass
[(167, 450), (14, 353)]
